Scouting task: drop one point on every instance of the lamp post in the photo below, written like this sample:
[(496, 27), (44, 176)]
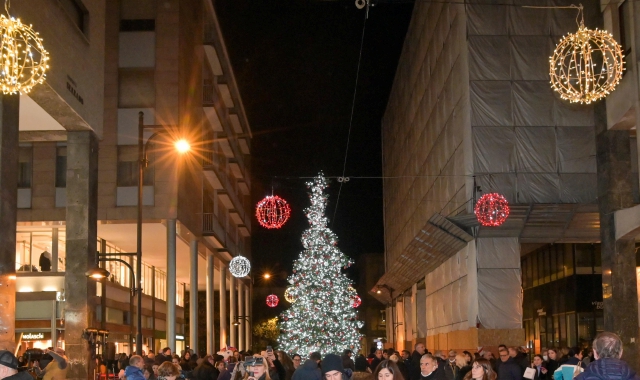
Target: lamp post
[(182, 146), (239, 318)]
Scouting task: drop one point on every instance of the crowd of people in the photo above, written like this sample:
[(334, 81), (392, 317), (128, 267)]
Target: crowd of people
[(602, 362)]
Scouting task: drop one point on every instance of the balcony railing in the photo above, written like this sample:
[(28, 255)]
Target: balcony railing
[(207, 94)]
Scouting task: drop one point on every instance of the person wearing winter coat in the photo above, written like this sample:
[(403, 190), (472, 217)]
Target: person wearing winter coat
[(134, 370), (206, 370), (607, 351), (309, 370)]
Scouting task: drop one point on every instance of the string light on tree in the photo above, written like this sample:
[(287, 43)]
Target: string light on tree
[(24, 60), (322, 318), (492, 210), (587, 65), (272, 212), (356, 301), (288, 295), (272, 300), (239, 266)]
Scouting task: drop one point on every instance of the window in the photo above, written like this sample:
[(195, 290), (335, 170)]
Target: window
[(128, 167), (78, 14), (139, 25), (61, 166), (25, 167)]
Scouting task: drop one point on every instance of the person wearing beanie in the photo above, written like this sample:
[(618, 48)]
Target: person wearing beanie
[(362, 372), (332, 368), (9, 367)]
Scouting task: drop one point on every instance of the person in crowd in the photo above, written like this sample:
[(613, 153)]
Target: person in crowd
[(575, 357), (552, 361), (405, 356), (376, 360), (404, 370), (155, 370), (332, 368), (388, 370), (607, 351), (508, 368), (519, 357), (347, 362), (450, 367), (418, 350), (481, 369), (429, 368), (168, 371), (175, 359), (101, 367), (221, 366), (310, 370), (362, 372), (135, 369), (148, 373), (463, 366), (287, 363), (256, 369), (587, 356), (123, 360), (468, 357), (564, 355), (9, 367), (538, 365), (226, 369), (57, 368), (185, 362), (297, 361), (206, 370), (150, 359), (572, 367)]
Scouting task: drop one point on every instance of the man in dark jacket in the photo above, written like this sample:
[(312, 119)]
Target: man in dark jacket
[(607, 350), (508, 369), (575, 357), (429, 369), (206, 370), (309, 370), (347, 362), (418, 352), (9, 367)]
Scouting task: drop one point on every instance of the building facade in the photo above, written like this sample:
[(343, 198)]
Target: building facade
[(77, 178), (471, 112)]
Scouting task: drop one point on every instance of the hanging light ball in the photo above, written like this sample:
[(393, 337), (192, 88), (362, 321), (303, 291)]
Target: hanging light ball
[(24, 60), (288, 296), (586, 66), (272, 212), (356, 301), (492, 209), (239, 266), (272, 300)]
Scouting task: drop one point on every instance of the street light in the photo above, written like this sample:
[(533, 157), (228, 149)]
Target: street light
[(238, 318)]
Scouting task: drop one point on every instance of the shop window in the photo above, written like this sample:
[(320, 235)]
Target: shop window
[(534, 264), (553, 263), (571, 329), (586, 327), (25, 167), (560, 260), (61, 166), (562, 320)]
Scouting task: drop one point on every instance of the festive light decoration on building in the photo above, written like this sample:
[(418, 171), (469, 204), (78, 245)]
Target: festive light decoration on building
[(288, 296), (239, 266), (322, 318), (272, 300), (492, 209), (272, 212), (24, 60), (587, 65), (356, 301)]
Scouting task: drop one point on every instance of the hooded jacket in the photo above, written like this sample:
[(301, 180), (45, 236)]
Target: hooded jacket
[(608, 368), (134, 373), (308, 371)]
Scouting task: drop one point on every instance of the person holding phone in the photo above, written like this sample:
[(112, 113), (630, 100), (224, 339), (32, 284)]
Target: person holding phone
[(275, 367), (539, 366), (256, 369)]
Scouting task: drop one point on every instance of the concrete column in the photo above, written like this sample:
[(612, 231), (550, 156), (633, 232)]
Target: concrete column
[(232, 311), (9, 110), (248, 324), (171, 284), (223, 305), (241, 313), (210, 306), (81, 246), (619, 283), (193, 297)]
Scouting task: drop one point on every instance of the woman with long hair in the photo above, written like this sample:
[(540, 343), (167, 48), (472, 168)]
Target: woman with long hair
[(257, 369), (552, 363), (387, 370), (287, 363), (481, 370), (463, 366)]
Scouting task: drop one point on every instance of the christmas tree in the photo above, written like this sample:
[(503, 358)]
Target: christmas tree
[(322, 316)]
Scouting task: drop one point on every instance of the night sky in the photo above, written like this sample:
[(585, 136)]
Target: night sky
[(295, 62)]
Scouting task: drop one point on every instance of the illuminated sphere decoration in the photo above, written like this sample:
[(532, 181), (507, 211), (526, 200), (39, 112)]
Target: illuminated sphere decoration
[(272, 212), (356, 301), (24, 60), (586, 66), (288, 296), (239, 266), (272, 300), (492, 210)]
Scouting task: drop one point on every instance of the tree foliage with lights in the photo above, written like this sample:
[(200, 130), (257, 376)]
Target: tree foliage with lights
[(322, 317)]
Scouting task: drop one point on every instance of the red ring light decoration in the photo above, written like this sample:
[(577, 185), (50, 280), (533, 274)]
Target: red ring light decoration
[(272, 212), (356, 301), (272, 300), (492, 210)]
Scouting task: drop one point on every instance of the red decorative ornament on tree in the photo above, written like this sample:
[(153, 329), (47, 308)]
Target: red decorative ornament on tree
[(356, 301), (272, 300), (272, 212), (492, 210)]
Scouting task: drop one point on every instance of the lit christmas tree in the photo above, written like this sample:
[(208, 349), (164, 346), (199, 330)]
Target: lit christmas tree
[(322, 316)]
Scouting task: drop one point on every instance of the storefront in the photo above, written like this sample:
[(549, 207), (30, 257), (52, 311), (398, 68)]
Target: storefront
[(562, 305)]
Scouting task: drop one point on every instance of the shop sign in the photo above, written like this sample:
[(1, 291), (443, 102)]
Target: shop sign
[(179, 337), (33, 335)]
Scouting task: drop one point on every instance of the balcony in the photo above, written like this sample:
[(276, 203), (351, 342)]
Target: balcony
[(211, 226)]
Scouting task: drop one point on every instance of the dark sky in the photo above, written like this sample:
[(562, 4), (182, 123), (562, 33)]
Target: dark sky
[(295, 62)]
